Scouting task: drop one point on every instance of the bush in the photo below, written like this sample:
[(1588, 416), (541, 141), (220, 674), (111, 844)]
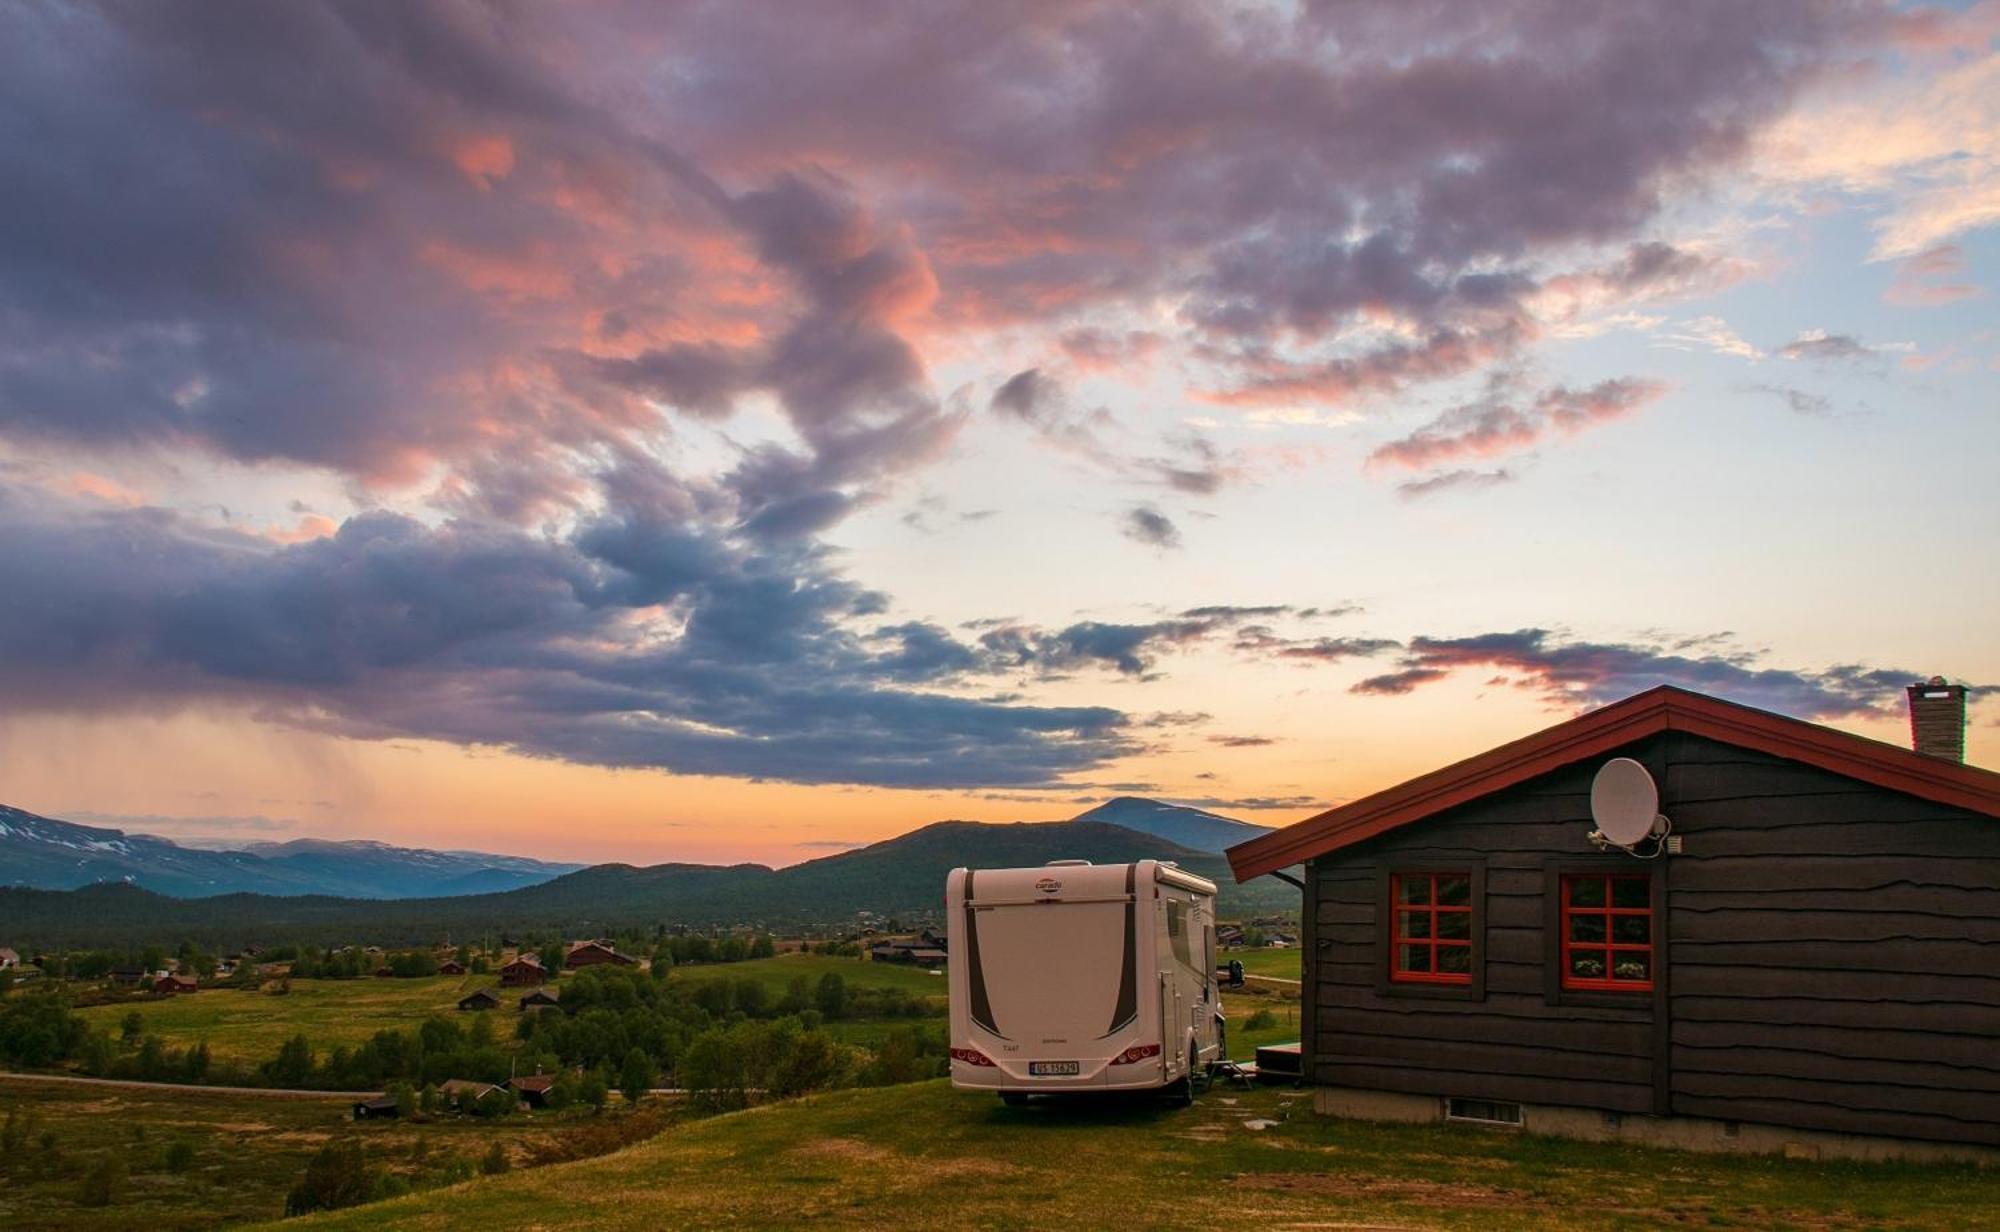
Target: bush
[(1260, 1020), (104, 1184), (638, 1076), (19, 1129), (179, 1157), (293, 1065), (832, 995), (594, 1091), (336, 1177), (495, 1160)]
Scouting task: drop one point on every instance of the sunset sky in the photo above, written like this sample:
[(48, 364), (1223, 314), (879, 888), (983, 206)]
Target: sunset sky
[(715, 432)]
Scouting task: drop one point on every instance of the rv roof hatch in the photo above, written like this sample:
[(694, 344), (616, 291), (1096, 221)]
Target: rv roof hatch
[(1067, 864)]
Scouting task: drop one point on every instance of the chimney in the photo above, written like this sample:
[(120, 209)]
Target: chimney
[(1937, 719)]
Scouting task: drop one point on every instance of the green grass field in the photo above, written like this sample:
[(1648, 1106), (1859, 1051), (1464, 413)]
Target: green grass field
[(1244, 1040), (245, 1027), (925, 1156), (1284, 964), (776, 973), (248, 1152)]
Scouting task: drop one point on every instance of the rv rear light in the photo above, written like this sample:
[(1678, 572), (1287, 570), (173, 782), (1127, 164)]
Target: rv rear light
[(972, 1056), (1136, 1053)]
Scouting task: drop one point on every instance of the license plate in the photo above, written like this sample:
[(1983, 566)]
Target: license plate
[(1054, 1069)]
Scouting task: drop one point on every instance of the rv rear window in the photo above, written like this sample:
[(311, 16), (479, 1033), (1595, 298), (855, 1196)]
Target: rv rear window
[(1431, 928)]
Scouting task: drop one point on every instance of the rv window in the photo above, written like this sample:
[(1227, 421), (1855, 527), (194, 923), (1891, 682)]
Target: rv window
[(1177, 930)]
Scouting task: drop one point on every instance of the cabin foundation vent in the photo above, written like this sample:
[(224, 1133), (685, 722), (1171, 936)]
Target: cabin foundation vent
[(1937, 719), (1483, 1111)]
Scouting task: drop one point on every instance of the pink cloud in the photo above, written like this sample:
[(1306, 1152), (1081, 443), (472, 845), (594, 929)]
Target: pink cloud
[(1492, 426)]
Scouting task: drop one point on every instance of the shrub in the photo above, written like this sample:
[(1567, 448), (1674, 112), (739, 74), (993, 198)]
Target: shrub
[(104, 1184), (638, 1076), (1260, 1020), (495, 1160), (179, 1157), (338, 1176), (832, 995), (594, 1090)]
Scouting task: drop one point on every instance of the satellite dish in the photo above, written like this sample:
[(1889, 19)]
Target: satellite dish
[(1624, 802)]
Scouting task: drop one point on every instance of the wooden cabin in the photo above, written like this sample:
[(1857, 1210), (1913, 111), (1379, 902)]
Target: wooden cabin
[(542, 998), (173, 985), (451, 966), (524, 972), (596, 953), (483, 999), (1808, 962)]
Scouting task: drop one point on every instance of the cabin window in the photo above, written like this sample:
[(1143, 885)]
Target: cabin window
[(1431, 928), (1607, 932)]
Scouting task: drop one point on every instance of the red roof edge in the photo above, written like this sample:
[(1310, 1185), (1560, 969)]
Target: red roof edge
[(1664, 708)]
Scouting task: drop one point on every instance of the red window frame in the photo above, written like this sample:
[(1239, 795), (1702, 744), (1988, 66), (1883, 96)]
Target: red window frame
[(1429, 909), (1610, 947)]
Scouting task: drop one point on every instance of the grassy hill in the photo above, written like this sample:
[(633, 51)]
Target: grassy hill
[(924, 1156), (902, 876)]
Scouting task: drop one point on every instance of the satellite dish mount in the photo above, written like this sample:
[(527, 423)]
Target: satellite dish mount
[(1625, 807)]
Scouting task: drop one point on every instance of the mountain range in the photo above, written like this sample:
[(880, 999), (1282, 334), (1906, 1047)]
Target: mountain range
[(902, 876), (59, 855)]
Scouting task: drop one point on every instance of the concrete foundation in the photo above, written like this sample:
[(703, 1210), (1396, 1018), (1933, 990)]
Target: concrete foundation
[(1683, 1133)]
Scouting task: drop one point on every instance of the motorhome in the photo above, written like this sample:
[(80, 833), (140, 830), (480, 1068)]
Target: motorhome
[(1078, 977)]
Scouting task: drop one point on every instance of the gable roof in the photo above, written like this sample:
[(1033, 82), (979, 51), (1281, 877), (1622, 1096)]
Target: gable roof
[(1590, 735)]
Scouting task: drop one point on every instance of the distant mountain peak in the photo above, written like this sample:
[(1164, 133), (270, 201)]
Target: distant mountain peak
[(44, 853), (1177, 823)]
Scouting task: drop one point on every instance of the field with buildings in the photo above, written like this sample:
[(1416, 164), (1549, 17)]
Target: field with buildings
[(189, 1157), (246, 1026), (925, 1156)]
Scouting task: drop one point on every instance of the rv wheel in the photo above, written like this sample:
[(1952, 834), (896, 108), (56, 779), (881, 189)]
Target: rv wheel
[(1180, 1092)]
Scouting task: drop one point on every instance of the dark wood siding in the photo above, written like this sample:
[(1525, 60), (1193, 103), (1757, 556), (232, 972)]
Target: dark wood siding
[(1831, 956)]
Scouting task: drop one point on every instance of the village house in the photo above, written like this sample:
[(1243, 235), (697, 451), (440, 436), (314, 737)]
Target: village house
[(451, 966), (526, 971), (542, 998), (173, 984), (464, 1093), (8, 959), (532, 1090), (926, 949), (380, 1106), (1797, 957), (596, 953), (483, 999)]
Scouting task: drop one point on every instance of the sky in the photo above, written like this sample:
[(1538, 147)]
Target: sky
[(738, 431)]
